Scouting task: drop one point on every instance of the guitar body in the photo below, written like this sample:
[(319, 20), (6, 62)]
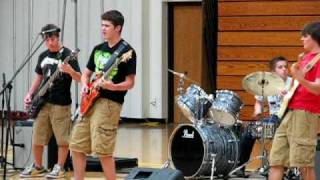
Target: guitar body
[(35, 107), (287, 98), (88, 100)]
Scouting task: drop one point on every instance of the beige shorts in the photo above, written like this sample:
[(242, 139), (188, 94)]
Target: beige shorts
[(295, 141), (52, 119), (95, 133)]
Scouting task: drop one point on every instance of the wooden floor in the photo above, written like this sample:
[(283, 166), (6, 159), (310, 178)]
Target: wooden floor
[(148, 142)]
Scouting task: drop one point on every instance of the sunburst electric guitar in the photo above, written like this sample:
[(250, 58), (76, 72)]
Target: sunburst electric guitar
[(295, 84), (37, 100), (87, 100)]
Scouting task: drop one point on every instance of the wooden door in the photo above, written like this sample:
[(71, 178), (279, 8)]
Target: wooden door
[(187, 50)]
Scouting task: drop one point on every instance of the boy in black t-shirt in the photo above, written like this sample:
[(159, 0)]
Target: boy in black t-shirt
[(54, 116), (103, 117)]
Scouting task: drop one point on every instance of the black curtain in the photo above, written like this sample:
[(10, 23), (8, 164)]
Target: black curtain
[(210, 33)]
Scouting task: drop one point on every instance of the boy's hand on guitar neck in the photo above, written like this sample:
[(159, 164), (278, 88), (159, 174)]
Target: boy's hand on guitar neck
[(65, 67)]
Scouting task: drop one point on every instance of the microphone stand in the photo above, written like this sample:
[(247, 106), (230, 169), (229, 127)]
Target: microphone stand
[(2, 121), (6, 92)]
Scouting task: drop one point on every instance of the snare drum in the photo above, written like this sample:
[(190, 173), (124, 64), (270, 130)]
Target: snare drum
[(264, 128), (226, 107)]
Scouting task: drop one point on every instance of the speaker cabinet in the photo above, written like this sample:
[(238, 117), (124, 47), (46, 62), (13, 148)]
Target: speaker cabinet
[(23, 145), (155, 174), (317, 160)]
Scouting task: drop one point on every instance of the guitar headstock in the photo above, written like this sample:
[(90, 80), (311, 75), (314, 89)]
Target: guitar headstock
[(74, 54), (126, 56)]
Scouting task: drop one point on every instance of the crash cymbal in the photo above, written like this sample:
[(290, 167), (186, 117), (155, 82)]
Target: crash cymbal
[(182, 76), (263, 83)]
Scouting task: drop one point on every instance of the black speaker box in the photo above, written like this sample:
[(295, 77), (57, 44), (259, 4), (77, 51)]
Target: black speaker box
[(317, 160), (155, 174)]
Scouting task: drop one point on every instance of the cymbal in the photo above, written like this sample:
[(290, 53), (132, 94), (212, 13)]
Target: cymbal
[(182, 76), (263, 83)]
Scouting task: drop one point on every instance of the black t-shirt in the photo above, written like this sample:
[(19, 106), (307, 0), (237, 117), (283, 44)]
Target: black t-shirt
[(59, 92), (99, 58)]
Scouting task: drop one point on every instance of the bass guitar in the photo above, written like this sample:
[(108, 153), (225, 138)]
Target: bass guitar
[(37, 100), (87, 100)]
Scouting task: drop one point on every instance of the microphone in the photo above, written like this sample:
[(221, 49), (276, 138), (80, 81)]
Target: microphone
[(50, 31)]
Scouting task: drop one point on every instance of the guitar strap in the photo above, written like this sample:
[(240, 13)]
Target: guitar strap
[(309, 66), (115, 55)]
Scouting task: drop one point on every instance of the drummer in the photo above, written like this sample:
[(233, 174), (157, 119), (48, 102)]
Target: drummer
[(279, 66)]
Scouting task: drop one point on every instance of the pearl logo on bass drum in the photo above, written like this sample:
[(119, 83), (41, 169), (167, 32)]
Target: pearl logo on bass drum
[(187, 135)]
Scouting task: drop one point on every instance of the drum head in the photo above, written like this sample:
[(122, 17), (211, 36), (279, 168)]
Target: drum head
[(186, 149), (222, 117)]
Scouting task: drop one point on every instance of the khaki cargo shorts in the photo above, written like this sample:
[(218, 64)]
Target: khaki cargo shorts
[(295, 140), (95, 133), (52, 119)]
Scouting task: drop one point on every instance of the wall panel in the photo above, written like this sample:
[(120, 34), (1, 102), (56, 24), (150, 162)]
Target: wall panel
[(251, 32)]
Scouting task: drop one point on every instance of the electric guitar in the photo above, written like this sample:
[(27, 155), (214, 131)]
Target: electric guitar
[(286, 99), (87, 100), (37, 100), (295, 84)]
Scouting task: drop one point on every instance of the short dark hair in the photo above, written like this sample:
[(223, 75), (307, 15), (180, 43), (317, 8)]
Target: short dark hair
[(114, 16), (49, 30), (312, 29), (273, 61)]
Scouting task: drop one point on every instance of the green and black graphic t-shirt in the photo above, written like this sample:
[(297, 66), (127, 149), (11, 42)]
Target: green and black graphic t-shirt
[(59, 91), (100, 55)]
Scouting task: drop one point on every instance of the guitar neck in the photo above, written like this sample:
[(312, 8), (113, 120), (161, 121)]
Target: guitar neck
[(47, 84), (53, 77), (107, 73)]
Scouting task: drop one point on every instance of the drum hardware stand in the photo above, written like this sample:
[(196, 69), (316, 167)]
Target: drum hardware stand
[(180, 88), (263, 152), (245, 164), (199, 121), (166, 164), (199, 111), (213, 168)]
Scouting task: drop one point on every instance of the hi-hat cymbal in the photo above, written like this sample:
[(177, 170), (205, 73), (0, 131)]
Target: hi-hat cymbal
[(263, 83)]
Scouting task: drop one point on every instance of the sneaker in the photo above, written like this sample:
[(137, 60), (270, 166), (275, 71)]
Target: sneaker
[(33, 171), (57, 172)]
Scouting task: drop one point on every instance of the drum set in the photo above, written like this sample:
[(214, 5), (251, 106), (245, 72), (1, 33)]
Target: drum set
[(208, 147)]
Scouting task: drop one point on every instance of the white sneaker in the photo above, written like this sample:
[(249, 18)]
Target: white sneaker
[(57, 172), (32, 171)]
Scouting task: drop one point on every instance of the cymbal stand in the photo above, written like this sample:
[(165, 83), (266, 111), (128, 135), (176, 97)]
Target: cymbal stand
[(180, 88), (263, 151)]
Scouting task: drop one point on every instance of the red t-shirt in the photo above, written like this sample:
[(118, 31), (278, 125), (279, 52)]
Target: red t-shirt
[(302, 98)]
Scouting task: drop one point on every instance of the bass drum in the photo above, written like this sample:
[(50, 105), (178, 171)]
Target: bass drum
[(191, 150)]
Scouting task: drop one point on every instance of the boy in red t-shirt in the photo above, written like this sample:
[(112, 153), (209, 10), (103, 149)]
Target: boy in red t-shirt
[(295, 140)]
